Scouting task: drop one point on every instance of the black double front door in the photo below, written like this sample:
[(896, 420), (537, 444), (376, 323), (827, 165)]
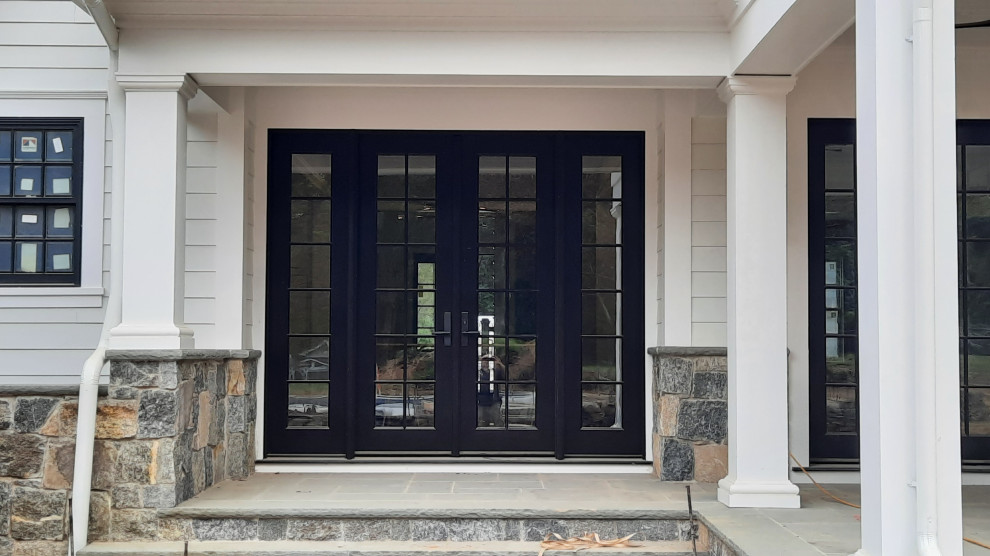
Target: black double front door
[(455, 294)]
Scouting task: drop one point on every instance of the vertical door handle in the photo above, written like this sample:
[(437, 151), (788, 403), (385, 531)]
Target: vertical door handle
[(445, 332), (465, 329)]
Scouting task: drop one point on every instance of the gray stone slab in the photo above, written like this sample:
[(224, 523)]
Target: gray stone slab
[(685, 351), (11, 390), (180, 354)]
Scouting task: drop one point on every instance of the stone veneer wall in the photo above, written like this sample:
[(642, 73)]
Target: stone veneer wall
[(171, 424), (690, 413)]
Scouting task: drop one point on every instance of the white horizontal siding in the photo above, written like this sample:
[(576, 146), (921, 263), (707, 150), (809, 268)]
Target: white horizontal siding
[(43, 79), (54, 57), (41, 11), (201, 219), (50, 34), (708, 232)]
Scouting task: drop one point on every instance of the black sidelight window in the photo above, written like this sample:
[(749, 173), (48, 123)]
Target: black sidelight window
[(40, 201)]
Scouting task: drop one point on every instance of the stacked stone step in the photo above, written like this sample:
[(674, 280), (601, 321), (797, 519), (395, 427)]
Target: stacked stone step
[(396, 532), (365, 548)]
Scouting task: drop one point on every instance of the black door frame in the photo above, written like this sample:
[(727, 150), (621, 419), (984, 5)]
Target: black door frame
[(353, 153), (845, 448)]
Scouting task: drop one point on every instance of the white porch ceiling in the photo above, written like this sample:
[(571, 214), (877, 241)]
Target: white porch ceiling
[(439, 15)]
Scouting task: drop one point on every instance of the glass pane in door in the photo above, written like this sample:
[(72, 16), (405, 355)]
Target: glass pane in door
[(507, 311), (405, 292), (309, 292), (601, 292)]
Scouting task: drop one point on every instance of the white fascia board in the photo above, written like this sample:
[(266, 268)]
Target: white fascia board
[(780, 37), (510, 55)]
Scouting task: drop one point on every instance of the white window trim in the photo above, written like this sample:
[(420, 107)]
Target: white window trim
[(89, 292)]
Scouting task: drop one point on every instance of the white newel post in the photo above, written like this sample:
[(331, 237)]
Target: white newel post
[(154, 213), (908, 323), (757, 293)]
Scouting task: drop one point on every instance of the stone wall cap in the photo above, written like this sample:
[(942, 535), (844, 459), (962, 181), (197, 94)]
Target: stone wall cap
[(682, 351), (180, 354), (9, 390)]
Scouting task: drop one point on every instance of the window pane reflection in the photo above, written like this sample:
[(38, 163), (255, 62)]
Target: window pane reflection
[(309, 405)]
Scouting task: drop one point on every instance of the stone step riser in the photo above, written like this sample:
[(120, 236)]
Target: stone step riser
[(385, 548), (408, 529)]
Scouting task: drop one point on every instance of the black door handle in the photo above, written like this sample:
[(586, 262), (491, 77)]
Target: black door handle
[(465, 325), (446, 331)]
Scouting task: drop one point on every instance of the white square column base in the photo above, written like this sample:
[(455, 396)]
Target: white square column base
[(738, 494), (136, 336)]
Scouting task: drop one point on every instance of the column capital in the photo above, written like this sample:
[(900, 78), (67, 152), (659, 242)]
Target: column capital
[(755, 85), (182, 84)]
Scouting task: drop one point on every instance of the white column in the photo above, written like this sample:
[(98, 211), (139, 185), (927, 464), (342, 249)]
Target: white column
[(678, 108), (154, 213), (757, 293), (909, 378)]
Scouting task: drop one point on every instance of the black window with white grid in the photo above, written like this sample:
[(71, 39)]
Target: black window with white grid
[(40, 201)]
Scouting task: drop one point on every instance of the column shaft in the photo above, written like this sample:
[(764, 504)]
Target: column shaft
[(908, 362), (757, 294)]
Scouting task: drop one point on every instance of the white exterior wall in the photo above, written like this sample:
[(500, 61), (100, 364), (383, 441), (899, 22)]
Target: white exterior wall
[(708, 231), (53, 63)]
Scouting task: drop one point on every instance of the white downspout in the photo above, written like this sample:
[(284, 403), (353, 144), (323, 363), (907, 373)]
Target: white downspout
[(926, 434), (82, 474)]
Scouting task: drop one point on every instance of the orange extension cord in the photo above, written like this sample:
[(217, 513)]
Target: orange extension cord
[(851, 505)]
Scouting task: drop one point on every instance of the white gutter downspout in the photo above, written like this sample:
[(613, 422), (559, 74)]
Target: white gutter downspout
[(926, 433), (82, 474)]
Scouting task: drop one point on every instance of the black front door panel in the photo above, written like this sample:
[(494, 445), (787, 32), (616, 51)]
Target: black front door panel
[(445, 293)]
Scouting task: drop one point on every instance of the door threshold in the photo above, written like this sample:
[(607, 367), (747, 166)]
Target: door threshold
[(452, 465)]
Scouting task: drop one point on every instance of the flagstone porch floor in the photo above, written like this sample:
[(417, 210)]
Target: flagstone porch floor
[(821, 526)]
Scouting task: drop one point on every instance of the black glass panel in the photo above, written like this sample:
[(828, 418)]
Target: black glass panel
[(840, 167), (840, 215), (58, 181), (978, 167), (978, 362), (310, 222), (600, 358), (58, 256), (311, 175), (309, 266), (598, 405), (28, 145), (309, 312), (599, 268), (491, 177), (840, 408), (522, 177), (309, 358), (309, 405), (58, 146), (391, 176), (599, 223), (840, 361), (27, 181), (601, 177)]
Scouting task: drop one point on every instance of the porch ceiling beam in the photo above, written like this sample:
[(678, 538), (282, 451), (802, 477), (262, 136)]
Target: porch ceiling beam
[(521, 57), (780, 37)]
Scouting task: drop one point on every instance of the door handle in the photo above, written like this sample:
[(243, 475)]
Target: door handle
[(465, 325), (446, 331)]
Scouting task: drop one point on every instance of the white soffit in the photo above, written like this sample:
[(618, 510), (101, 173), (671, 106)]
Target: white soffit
[(431, 15)]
